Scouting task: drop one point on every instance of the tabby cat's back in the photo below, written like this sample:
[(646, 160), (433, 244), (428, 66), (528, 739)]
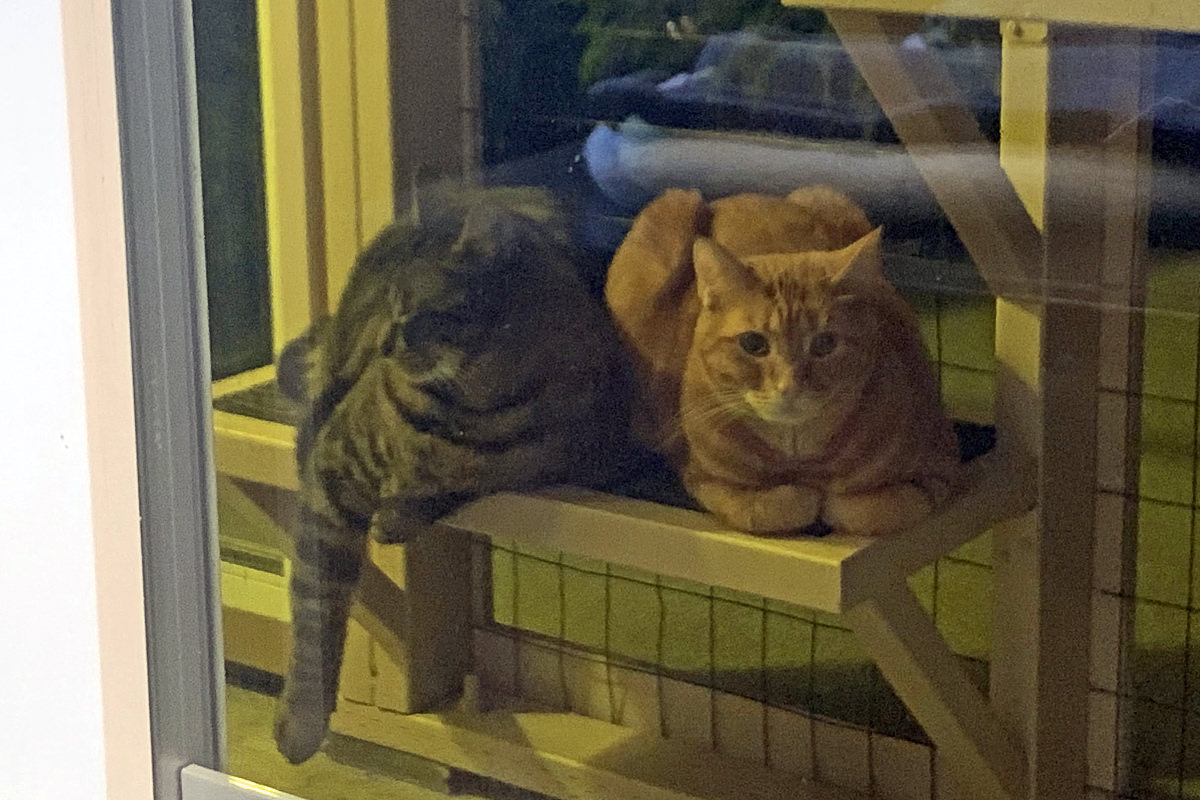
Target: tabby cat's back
[(465, 357)]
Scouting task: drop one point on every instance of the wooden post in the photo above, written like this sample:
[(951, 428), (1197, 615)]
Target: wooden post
[(1080, 175), (291, 166), (436, 102), (1095, 198), (415, 602)]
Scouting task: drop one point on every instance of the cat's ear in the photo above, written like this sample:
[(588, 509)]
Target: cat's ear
[(719, 273), (861, 263)]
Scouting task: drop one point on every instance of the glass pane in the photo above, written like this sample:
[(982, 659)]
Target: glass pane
[(493, 248), (231, 158)]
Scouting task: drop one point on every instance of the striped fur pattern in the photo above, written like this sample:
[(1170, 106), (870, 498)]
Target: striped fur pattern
[(466, 357), (777, 368)]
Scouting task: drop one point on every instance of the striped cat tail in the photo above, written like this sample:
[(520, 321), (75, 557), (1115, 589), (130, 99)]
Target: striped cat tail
[(325, 570)]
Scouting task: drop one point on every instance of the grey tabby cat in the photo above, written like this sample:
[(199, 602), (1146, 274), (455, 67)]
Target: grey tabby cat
[(466, 357)]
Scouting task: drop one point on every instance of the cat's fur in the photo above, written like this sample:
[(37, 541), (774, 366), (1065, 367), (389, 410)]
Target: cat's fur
[(465, 357), (849, 433)]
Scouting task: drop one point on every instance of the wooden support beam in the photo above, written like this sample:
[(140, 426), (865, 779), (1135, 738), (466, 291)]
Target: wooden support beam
[(291, 166), (959, 164), (416, 605), (1096, 200), (982, 755)]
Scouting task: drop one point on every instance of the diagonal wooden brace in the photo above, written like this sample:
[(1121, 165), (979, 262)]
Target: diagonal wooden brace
[(982, 757), (961, 167)]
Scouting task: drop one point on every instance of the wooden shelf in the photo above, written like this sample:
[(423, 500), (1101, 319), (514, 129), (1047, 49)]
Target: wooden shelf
[(831, 573)]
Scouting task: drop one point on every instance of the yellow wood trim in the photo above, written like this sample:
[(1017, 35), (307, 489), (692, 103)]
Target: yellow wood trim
[(243, 380), (255, 450), (1018, 341), (256, 640), (1024, 70), (339, 142), (1182, 15), (292, 187), (373, 93)]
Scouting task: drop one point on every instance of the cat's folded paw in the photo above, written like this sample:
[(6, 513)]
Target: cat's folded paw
[(299, 732), (781, 509), (393, 526), (885, 511), (402, 519)]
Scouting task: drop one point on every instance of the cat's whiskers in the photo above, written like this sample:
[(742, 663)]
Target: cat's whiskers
[(718, 409)]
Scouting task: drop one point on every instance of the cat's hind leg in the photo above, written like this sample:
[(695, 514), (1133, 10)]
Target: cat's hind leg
[(879, 512), (325, 569)]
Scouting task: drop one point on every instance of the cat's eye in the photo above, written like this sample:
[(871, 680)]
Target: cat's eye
[(754, 343), (822, 344)]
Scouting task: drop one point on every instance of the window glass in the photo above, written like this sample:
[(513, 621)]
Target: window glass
[(1037, 196)]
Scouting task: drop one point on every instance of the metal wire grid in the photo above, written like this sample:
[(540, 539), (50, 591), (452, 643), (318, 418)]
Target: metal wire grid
[(1149, 699)]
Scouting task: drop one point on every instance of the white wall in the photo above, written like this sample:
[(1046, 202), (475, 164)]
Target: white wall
[(51, 743)]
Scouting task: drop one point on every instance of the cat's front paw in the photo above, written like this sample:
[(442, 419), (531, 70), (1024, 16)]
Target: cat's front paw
[(397, 526), (781, 509), (402, 519), (299, 731)]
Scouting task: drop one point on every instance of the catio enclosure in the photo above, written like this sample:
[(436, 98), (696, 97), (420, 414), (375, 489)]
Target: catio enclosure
[(1035, 174)]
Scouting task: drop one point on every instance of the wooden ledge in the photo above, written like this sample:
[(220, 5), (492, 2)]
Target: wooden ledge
[(566, 755), (831, 573)]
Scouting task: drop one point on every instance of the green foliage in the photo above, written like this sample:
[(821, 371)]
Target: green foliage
[(625, 36), (538, 56)]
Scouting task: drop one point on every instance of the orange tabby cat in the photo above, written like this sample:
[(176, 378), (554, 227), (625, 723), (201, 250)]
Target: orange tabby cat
[(781, 373)]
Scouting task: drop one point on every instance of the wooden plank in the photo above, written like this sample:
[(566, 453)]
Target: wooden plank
[(576, 758), (1181, 15), (928, 677), (665, 540), (255, 450), (939, 133), (826, 574), (291, 168), (373, 117), (339, 143)]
